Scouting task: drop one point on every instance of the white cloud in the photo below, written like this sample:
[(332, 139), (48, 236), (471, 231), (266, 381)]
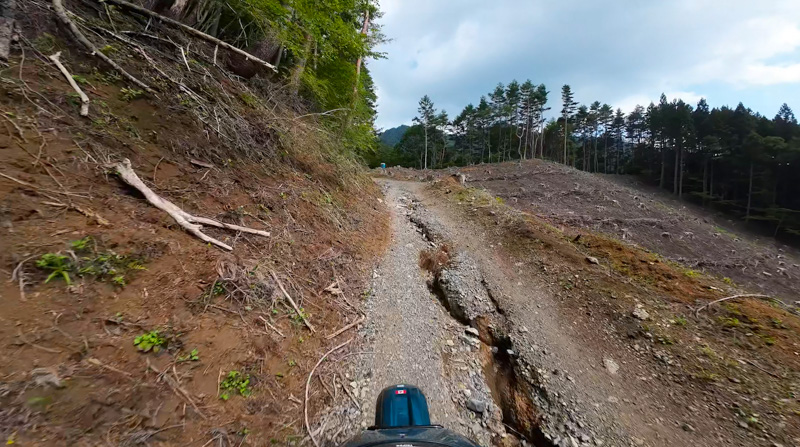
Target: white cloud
[(621, 53)]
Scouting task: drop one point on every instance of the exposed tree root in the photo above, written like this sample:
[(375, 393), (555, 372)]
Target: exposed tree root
[(184, 219), (84, 99), (61, 13)]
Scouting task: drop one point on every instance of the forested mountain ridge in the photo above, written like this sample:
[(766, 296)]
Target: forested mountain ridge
[(732, 158), (391, 137)]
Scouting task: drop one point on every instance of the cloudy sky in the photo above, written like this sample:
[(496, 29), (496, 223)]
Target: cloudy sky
[(622, 52)]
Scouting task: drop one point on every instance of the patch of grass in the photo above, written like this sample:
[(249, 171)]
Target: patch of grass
[(680, 321), (80, 244), (107, 78), (708, 352), (46, 43), (109, 50), (666, 340), (707, 376), (769, 340), (297, 318), (73, 99), (193, 356), (248, 99), (692, 273), (80, 79), (729, 322), (58, 265), (292, 363), (235, 382), (727, 281), (777, 324), (129, 94), (149, 341), (109, 266)]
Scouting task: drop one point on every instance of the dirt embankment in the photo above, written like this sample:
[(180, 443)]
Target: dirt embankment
[(618, 338), (121, 328), (698, 240)]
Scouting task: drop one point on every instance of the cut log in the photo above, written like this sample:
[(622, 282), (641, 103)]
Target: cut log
[(184, 219)]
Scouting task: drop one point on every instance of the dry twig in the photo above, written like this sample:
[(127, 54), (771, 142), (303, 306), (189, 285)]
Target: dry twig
[(84, 99), (61, 13), (190, 30), (291, 301), (355, 323), (266, 324), (308, 384), (746, 295)]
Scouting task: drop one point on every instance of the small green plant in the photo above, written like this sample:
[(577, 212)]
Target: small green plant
[(73, 99), (680, 321), (80, 244), (769, 340), (119, 280), (46, 43), (297, 318), (729, 322), (248, 99), (193, 356), (218, 288), (692, 273), (235, 382), (80, 79), (777, 324), (727, 281), (708, 352), (666, 340), (149, 341), (292, 363), (499, 200), (58, 265), (108, 49), (129, 94)]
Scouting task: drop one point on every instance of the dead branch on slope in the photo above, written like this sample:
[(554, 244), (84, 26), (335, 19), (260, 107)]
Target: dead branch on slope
[(748, 295), (84, 99), (291, 301), (189, 222), (61, 13), (190, 30)]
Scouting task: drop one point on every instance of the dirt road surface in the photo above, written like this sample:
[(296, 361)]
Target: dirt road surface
[(489, 330)]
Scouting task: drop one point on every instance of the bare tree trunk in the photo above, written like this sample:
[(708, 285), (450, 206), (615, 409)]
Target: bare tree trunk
[(7, 9), (675, 171), (297, 71), (426, 147), (358, 62), (749, 193), (663, 165)]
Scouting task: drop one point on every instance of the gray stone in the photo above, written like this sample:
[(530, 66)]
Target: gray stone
[(592, 260), (611, 366), (476, 405), (472, 331), (640, 313)]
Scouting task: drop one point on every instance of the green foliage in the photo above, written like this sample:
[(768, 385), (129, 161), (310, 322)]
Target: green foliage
[(193, 356), (58, 265), (235, 382), (149, 341), (109, 50), (80, 79), (680, 321), (80, 244), (129, 94), (692, 273), (297, 318), (46, 43), (729, 322)]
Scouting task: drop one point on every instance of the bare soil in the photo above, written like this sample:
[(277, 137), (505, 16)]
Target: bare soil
[(622, 208), (71, 374)]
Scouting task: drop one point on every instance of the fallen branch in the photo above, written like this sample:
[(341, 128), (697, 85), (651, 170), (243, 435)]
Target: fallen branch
[(190, 30), (18, 275), (98, 363), (308, 384), (755, 365), (747, 295), (84, 99), (184, 219), (176, 388), (355, 323), (266, 324), (61, 13), (291, 301)]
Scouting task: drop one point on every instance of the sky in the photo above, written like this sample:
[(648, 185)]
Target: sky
[(620, 52)]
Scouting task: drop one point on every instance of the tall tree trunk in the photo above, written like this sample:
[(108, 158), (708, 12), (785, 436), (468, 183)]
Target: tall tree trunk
[(605, 154), (566, 130), (749, 193), (676, 169), (662, 181), (297, 71), (705, 180), (358, 61), (426, 147), (711, 181), (680, 177)]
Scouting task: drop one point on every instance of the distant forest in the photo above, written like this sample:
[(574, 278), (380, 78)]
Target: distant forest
[(731, 158)]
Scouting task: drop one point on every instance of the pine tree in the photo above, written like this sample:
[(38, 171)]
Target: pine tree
[(426, 118), (567, 109)]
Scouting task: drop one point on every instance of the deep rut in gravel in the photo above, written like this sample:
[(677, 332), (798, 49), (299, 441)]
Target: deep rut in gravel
[(509, 390)]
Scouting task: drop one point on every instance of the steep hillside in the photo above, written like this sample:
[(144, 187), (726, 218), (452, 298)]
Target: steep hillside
[(118, 326)]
